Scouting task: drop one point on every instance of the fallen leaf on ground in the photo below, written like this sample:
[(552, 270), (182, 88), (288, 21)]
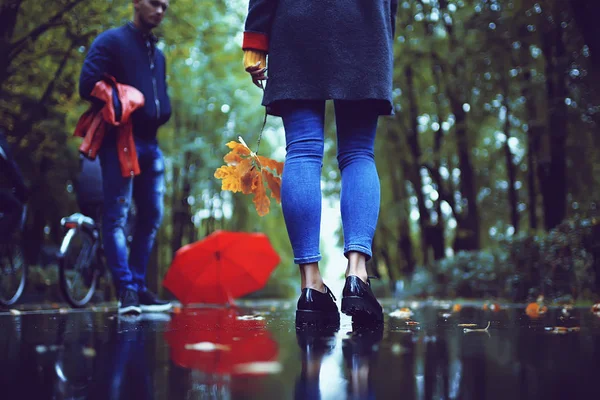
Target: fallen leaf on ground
[(402, 313), (561, 330), (89, 352), (466, 330), (536, 310)]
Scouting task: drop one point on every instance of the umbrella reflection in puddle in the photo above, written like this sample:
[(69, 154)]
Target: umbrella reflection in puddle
[(221, 341)]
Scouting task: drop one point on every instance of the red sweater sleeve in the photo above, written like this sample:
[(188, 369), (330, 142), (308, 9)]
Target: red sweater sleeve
[(258, 24)]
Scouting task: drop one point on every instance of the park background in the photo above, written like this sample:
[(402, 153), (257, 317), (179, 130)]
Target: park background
[(489, 168)]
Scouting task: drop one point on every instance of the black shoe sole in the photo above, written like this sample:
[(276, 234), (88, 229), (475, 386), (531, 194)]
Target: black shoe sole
[(317, 318), (361, 311)]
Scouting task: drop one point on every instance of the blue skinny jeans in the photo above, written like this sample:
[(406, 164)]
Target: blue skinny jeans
[(147, 190), (304, 123)]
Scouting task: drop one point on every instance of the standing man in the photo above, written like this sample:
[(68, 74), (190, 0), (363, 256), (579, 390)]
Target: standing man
[(129, 54)]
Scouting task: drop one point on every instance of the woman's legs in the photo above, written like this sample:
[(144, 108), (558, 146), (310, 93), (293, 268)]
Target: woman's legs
[(301, 185), (360, 196)]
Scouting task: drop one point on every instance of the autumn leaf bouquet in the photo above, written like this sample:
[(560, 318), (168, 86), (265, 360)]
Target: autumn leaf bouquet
[(249, 173)]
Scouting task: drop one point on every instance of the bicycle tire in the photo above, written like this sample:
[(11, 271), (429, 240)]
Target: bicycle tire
[(12, 298), (67, 252)]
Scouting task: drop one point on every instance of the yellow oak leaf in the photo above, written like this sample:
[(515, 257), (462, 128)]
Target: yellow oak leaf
[(274, 184), (237, 151), (230, 177)]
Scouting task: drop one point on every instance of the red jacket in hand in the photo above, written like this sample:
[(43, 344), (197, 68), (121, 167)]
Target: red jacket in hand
[(93, 124)]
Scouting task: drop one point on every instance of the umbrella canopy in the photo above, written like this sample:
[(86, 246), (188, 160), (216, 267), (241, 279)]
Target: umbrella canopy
[(221, 267), (219, 341)]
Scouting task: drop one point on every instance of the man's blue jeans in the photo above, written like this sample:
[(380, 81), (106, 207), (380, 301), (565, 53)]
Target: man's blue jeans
[(147, 190), (356, 122)]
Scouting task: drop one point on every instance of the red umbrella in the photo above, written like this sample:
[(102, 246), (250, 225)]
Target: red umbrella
[(217, 341), (221, 267)]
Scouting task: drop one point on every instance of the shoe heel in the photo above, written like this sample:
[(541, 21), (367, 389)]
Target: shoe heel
[(316, 318), (360, 310)]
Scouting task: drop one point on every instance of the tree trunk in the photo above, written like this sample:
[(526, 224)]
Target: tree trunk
[(9, 12), (467, 231), (533, 147), (405, 265), (415, 173), (437, 231), (181, 208), (553, 177), (510, 166), (406, 248), (586, 15)]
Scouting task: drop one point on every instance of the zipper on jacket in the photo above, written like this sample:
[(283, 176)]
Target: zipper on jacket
[(155, 89)]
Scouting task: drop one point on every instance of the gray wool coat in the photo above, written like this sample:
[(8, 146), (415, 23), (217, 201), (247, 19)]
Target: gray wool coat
[(325, 49)]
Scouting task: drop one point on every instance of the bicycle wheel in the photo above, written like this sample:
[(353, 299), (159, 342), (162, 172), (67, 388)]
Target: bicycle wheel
[(79, 272), (13, 271)]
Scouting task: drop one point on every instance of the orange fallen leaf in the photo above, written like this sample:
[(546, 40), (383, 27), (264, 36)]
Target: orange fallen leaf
[(249, 173), (561, 330), (535, 310)]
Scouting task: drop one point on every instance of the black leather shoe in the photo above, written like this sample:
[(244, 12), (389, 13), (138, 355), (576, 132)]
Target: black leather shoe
[(317, 308), (359, 301)]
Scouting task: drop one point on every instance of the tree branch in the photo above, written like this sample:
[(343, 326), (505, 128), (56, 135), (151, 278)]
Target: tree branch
[(445, 195), (19, 44)]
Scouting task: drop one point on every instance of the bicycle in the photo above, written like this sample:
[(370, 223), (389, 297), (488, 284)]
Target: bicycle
[(81, 256), (13, 266), (80, 259)]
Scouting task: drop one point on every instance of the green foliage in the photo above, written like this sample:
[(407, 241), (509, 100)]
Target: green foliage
[(561, 265)]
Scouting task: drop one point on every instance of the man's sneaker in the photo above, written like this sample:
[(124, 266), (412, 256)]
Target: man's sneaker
[(149, 302), (129, 302)]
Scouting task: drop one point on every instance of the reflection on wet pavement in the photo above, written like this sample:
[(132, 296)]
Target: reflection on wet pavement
[(438, 352)]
